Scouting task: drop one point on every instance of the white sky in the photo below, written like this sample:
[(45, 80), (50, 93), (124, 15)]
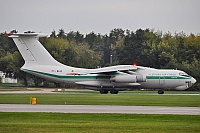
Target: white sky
[(100, 16)]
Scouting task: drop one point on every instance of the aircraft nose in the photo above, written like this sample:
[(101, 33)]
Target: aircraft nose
[(193, 80)]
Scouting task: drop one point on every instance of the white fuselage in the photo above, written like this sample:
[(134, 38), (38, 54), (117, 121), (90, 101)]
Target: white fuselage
[(154, 78)]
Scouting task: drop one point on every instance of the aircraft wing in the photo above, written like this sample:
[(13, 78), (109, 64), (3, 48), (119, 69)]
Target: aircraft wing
[(112, 69)]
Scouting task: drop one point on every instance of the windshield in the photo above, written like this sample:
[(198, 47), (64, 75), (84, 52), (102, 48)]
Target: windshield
[(184, 74)]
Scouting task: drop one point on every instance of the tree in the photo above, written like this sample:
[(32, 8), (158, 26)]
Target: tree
[(133, 47), (61, 34), (6, 45), (53, 34), (11, 64), (90, 39), (86, 57), (78, 37), (71, 36)]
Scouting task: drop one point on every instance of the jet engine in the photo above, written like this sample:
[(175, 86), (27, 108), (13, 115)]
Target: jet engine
[(128, 78)]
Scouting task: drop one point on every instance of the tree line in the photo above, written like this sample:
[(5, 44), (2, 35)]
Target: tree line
[(144, 47)]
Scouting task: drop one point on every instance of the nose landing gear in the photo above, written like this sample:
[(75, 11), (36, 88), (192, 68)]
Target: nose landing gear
[(189, 83), (161, 92)]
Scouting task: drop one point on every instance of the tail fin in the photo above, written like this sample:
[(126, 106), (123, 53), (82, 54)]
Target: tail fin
[(32, 50)]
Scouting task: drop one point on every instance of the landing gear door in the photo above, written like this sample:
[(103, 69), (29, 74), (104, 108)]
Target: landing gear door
[(162, 80)]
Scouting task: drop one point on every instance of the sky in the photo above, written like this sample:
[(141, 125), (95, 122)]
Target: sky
[(100, 16)]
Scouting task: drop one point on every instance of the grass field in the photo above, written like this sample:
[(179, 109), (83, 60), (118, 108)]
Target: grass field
[(101, 123), (97, 123), (94, 98)]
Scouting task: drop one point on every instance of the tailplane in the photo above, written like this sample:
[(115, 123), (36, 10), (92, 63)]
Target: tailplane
[(32, 50)]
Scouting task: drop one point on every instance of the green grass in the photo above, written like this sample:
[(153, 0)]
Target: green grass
[(94, 98), (97, 123)]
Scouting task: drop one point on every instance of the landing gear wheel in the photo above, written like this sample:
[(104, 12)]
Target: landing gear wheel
[(102, 91), (160, 92), (113, 91)]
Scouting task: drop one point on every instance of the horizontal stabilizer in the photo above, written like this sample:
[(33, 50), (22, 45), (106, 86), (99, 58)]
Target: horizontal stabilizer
[(28, 35)]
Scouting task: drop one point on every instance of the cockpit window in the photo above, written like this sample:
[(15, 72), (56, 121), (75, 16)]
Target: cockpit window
[(184, 74)]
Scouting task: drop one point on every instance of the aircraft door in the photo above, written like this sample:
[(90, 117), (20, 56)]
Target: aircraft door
[(162, 80)]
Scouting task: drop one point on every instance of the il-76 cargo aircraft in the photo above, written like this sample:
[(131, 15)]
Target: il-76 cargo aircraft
[(39, 62)]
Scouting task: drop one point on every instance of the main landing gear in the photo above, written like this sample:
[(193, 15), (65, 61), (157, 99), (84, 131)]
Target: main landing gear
[(102, 91), (161, 92), (113, 91)]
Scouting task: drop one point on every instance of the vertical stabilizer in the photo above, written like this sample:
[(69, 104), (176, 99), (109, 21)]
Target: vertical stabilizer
[(32, 50)]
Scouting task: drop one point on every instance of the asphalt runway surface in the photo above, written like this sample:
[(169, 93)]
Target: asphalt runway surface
[(52, 91), (99, 109), (44, 91)]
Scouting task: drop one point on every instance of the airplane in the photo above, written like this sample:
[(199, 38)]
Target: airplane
[(113, 79)]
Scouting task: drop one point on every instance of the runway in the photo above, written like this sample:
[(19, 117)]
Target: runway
[(70, 91), (43, 91), (99, 109)]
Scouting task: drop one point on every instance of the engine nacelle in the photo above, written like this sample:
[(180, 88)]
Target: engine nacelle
[(128, 78)]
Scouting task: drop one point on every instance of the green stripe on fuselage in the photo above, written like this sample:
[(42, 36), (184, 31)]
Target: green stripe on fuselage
[(70, 76), (99, 76), (167, 77)]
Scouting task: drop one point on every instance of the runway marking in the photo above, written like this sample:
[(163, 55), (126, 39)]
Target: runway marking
[(100, 109)]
